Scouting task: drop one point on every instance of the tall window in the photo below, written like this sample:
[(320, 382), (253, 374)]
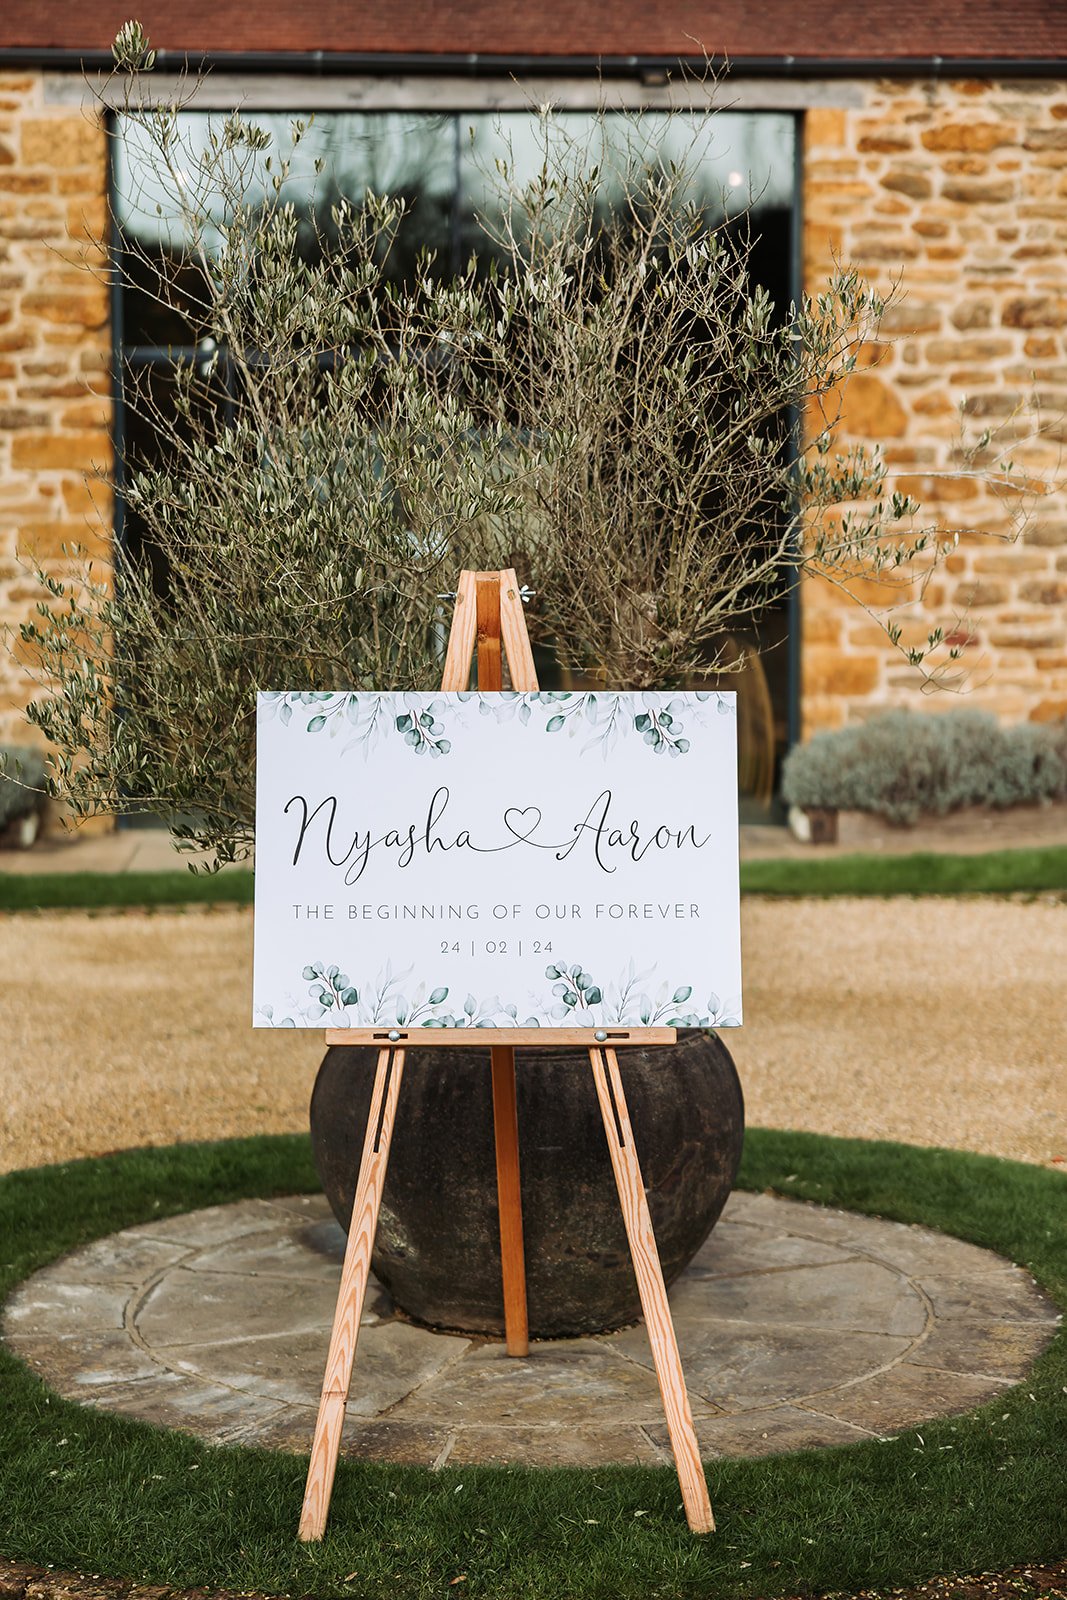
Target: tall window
[(441, 162)]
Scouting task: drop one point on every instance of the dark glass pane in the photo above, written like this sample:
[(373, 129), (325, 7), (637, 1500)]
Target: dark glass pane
[(741, 170), (410, 155)]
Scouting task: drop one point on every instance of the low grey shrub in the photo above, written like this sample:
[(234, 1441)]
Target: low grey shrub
[(904, 764), (22, 782)]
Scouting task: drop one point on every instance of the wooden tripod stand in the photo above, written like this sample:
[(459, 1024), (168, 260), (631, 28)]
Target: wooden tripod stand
[(488, 614)]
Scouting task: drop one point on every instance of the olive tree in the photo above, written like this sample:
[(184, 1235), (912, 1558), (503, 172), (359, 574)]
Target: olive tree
[(601, 397)]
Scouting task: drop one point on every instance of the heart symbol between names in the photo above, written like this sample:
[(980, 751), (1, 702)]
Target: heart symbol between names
[(522, 813)]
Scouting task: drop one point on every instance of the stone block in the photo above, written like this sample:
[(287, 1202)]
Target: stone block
[(53, 541), (215, 1224), (395, 1359), (827, 672), (61, 141), (911, 316), (1046, 139), (767, 1432), (71, 452), (942, 351), (406, 1443), (19, 182), (858, 1296), (60, 338), (907, 1396), (871, 410), (744, 1247), (997, 404), (1035, 311), (1036, 252), (86, 308), (912, 182), (86, 498), (88, 413), (869, 636), (1049, 710), (937, 404), (1018, 639), (14, 417), (1009, 1296), (87, 219), (66, 388), (984, 1348), (49, 1307), (887, 140), (588, 1378), (737, 1367), (566, 1444), (1048, 591), (976, 595), (898, 248), (979, 192), (825, 125), (188, 1308), (822, 627), (969, 136), (1009, 563), (966, 167), (819, 172)]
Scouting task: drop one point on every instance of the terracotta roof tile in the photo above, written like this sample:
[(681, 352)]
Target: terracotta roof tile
[(883, 29)]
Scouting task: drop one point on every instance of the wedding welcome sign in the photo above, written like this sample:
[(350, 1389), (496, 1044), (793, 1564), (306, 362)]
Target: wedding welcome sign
[(500, 860)]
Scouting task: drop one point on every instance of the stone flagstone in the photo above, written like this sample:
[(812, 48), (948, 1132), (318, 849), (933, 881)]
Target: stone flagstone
[(799, 1327)]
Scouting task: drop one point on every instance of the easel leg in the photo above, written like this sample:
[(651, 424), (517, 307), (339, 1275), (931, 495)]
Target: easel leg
[(652, 1290), (509, 1199), (351, 1295)]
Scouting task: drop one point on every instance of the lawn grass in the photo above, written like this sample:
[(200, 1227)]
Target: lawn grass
[(91, 891), (992, 872), (81, 1489), (995, 872)]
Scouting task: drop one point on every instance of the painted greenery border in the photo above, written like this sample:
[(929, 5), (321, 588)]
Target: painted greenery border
[(82, 1489)]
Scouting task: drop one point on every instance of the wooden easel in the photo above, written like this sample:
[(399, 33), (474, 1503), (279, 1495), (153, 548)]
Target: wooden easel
[(489, 613)]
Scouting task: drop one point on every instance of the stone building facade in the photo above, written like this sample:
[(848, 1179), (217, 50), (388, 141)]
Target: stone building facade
[(55, 359), (955, 187), (957, 191)]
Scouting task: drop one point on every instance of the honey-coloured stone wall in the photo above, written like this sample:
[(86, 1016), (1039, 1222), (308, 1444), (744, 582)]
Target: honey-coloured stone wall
[(958, 190), (55, 359)]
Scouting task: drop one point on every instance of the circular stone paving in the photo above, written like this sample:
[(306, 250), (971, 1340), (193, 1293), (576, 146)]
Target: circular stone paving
[(798, 1326)]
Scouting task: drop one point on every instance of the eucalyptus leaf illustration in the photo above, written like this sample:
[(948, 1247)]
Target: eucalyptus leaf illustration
[(574, 996)]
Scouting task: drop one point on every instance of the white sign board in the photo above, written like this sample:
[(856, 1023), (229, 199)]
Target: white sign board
[(497, 860)]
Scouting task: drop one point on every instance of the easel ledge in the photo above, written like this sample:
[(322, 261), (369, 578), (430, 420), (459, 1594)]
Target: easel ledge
[(581, 1038)]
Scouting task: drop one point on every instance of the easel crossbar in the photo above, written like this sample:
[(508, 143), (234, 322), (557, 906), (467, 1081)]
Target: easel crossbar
[(431, 1038)]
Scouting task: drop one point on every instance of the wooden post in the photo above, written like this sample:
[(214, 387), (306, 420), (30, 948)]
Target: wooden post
[(352, 1293), (490, 667), (482, 601), (509, 1200), (651, 1288)]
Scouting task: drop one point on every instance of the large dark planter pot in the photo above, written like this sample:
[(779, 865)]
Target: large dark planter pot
[(438, 1245)]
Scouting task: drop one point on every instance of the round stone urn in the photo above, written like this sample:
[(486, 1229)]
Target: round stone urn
[(438, 1244)]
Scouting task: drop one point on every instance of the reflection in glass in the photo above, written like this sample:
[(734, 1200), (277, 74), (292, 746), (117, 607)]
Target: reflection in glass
[(445, 167)]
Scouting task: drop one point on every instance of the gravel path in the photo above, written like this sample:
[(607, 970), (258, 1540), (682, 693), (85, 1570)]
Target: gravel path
[(930, 1021)]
